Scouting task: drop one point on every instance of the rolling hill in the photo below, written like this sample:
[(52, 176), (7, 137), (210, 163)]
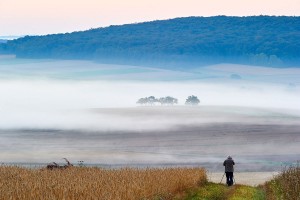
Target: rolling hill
[(256, 40)]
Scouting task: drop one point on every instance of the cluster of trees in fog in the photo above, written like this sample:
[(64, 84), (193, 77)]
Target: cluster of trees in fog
[(262, 40), (168, 100)]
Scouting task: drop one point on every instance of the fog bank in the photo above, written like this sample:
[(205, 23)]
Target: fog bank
[(67, 104)]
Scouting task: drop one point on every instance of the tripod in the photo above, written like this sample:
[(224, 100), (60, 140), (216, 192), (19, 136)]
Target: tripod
[(223, 177)]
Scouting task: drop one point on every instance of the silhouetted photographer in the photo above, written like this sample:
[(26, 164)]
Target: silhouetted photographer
[(228, 163)]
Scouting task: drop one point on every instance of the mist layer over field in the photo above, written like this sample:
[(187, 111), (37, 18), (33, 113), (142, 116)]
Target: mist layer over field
[(259, 139), (65, 104), (87, 111)]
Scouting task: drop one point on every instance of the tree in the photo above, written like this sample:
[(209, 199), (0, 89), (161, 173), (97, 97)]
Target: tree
[(147, 100), (151, 100), (192, 100), (168, 100), (142, 101)]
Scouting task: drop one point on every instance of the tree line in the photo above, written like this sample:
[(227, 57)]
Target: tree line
[(168, 100), (263, 40)]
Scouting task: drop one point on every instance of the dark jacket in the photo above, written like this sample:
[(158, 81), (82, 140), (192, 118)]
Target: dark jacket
[(228, 163)]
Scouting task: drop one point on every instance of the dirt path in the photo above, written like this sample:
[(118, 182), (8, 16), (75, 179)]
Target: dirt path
[(245, 178)]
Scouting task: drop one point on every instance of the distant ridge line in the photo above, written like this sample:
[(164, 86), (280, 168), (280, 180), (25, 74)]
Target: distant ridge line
[(190, 41)]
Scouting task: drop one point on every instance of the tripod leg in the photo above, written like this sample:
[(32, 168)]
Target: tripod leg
[(222, 178)]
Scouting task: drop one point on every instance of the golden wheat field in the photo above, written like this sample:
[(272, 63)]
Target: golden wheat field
[(97, 183)]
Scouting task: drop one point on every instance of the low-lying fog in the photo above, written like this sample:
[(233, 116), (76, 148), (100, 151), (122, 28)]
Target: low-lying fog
[(91, 114), (65, 104)]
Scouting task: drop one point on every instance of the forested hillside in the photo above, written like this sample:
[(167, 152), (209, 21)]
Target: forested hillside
[(259, 40)]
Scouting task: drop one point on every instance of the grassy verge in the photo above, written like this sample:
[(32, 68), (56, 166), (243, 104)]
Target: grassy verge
[(284, 186), (213, 191)]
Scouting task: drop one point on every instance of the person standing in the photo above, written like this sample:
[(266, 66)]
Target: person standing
[(228, 163)]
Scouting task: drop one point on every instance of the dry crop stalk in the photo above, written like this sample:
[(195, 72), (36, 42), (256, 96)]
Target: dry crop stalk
[(97, 183)]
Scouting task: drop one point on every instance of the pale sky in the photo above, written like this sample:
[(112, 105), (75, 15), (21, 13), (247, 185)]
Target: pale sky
[(29, 17)]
